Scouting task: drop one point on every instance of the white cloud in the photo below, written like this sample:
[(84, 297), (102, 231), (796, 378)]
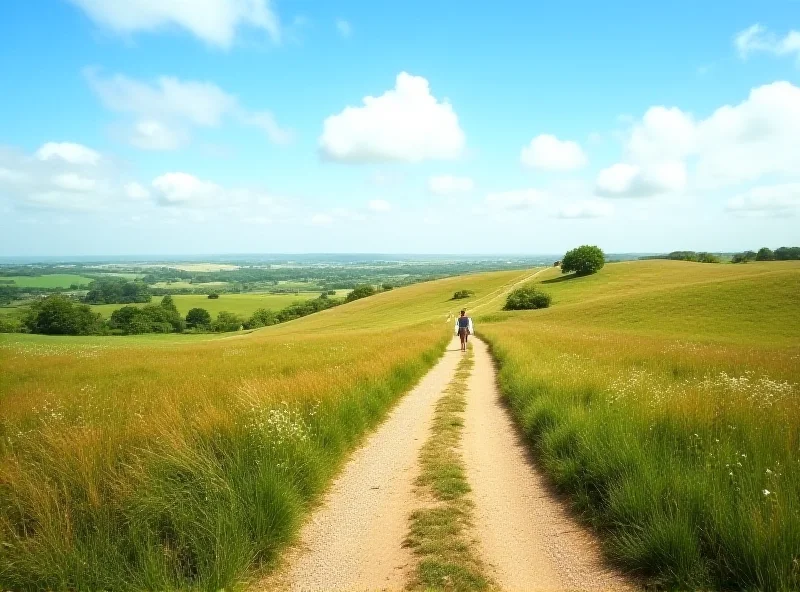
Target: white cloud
[(547, 152), (735, 144), (74, 182), (344, 28), (379, 205), (772, 200), (68, 152), (626, 180), (185, 189), (756, 38), (521, 199), (585, 209), (406, 124), (150, 134), (136, 192), (59, 176), (450, 185), (167, 105), (214, 21)]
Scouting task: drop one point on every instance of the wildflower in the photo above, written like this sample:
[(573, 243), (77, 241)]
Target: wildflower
[(769, 472), (766, 492)]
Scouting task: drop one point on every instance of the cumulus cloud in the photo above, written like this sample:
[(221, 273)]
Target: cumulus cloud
[(450, 185), (406, 124), (735, 144), (68, 152), (164, 109), (757, 38), (594, 208), (626, 180), (379, 205), (520, 199), (136, 192), (344, 28), (772, 200), (546, 152), (216, 22), (59, 176)]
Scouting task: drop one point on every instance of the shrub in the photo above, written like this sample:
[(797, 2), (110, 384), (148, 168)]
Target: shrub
[(461, 294), (765, 254), (708, 258), (527, 298), (198, 318), (58, 315), (584, 260), (11, 325), (262, 318), (360, 292), (227, 321), (213, 296)]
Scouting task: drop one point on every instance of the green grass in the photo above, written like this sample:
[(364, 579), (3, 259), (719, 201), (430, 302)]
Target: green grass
[(439, 533), (665, 398), (56, 280), (187, 462), (241, 304)]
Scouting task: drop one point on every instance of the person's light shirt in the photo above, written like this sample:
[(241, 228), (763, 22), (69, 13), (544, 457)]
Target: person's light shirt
[(471, 330)]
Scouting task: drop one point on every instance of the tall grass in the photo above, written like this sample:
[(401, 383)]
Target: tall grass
[(684, 449), (182, 468), (186, 462)]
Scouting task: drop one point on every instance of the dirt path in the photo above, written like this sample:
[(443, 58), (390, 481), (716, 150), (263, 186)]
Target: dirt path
[(354, 540), (524, 533)]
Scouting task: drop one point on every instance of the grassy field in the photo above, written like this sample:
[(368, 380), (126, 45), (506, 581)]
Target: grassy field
[(56, 280), (665, 398), (242, 304), (190, 285), (164, 462)]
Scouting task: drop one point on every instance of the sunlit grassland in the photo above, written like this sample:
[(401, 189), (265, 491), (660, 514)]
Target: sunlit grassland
[(188, 461), (665, 397), (56, 280)]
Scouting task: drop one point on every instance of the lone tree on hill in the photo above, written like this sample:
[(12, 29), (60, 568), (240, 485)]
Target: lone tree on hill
[(360, 292), (198, 318), (584, 260), (765, 254)]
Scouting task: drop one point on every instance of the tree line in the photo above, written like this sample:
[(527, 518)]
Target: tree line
[(60, 315)]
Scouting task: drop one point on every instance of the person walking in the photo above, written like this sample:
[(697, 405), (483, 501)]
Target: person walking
[(464, 328)]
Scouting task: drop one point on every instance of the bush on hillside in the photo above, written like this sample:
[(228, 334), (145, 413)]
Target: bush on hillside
[(584, 260), (213, 296), (227, 321), (11, 325), (262, 318), (527, 298), (744, 257), (132, 320), (765, 254), (58, 315), (198, 318), (461, 294), (117, 291), (360, 292)]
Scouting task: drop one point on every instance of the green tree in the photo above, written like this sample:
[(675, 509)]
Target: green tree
[(787, 253), (227, 321), (58, 315), (708, 258), (461, 294), (198, 318), (765, 254), (168, 303), (360, 292), (527, 298), (213, 296), (261, 318), (584, 260)]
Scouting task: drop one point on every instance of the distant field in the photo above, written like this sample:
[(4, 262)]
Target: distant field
[(665, 398), (242, 304), (177, 285), (56, 280)]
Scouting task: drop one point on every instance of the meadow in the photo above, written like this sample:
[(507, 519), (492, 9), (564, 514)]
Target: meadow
[(664, 397), (56, 280), (161, 462)]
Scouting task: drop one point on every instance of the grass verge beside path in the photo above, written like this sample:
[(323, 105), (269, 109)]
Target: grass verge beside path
[(680, 443), (439, 533)]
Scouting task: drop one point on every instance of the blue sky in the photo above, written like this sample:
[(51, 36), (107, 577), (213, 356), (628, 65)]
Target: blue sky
[(136, 127)]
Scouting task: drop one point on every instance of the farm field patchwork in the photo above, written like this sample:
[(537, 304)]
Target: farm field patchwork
[(665, 398), (114, 450)]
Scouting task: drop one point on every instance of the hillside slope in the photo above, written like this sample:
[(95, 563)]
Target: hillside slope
[(665, 398)]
